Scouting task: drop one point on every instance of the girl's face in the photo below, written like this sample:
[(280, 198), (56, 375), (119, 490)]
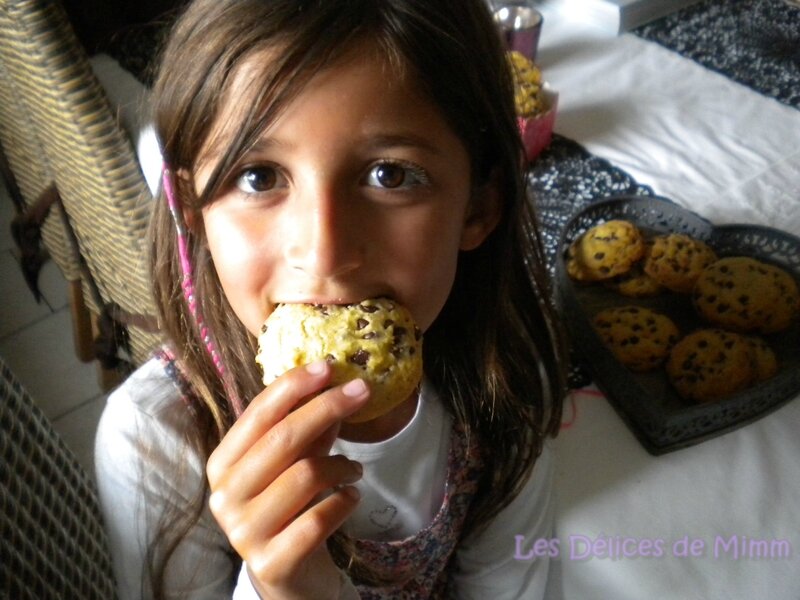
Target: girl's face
[(359, 189)]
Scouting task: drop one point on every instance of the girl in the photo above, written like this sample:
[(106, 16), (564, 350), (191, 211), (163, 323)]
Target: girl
[(327, 151)]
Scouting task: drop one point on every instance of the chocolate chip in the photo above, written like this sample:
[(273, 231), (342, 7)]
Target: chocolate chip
[(361, 323), (360, 358), (368, 308)]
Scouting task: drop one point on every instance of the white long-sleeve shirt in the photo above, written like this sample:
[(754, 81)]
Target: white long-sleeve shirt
[(140, 450)]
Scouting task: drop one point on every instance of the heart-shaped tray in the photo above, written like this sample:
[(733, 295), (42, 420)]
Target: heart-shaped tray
[(652, 409)]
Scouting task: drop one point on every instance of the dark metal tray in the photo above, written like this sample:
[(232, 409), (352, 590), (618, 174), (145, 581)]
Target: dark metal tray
[(661, 420)]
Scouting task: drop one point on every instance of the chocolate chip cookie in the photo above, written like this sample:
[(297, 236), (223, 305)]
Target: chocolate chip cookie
[(710, 364), (676, 261), (765, 363), (605, 251), (747, 295), (638, 337), (636, 283), (375, 339)]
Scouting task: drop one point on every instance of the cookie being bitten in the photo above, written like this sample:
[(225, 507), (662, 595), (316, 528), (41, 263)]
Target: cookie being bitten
[(375, 339)]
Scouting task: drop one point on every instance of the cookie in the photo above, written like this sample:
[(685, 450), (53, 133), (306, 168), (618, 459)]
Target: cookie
[(710, 364), (638, 337), (375, 339), (605, 251), (676, 261), (636, 283), (747, 295), (765, 363)]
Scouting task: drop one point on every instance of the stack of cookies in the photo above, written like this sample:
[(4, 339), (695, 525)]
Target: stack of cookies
[(735, 298)]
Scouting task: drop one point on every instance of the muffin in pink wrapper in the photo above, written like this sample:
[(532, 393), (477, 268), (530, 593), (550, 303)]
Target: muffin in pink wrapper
[(537, 131), (535, 104)]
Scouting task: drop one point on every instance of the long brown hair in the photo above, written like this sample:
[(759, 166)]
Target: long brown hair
[(495, 352)]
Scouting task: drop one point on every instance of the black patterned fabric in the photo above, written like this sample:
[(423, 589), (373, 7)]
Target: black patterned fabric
[(564, 179), (753, 42), (53, 542)]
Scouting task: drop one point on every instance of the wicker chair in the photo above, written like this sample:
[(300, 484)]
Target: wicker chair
[(54, 544), (40, 226), (92, 164)]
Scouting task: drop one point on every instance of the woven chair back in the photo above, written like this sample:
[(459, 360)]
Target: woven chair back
[(54, 544), (91, 158), (26, 160)]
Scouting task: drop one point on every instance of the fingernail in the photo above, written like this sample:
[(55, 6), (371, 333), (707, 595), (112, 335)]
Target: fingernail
[(355, 388), (352, 491), (353, 477), (317, 367)]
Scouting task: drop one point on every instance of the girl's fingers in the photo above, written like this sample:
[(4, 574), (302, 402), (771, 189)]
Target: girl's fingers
[(265, 410), (287, 441), (289, 495), (288, 551)]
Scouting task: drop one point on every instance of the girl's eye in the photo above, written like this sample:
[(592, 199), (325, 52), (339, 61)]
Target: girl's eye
[(259, 179), (393, 175)]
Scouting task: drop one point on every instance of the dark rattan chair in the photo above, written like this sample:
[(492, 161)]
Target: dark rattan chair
[(92, 163), (40, 224), (53, 542)]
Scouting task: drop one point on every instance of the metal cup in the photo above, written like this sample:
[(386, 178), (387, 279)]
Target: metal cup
[(520, 25)]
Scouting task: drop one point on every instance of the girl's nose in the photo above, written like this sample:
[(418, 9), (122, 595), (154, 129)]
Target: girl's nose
[(322, 240)]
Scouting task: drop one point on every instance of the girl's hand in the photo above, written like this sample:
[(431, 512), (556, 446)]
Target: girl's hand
[(275, 491)]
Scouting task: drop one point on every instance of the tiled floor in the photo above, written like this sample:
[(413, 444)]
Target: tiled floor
[(36, 343)]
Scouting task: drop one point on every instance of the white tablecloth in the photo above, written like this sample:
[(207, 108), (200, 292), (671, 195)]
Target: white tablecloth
[(719, 519)]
